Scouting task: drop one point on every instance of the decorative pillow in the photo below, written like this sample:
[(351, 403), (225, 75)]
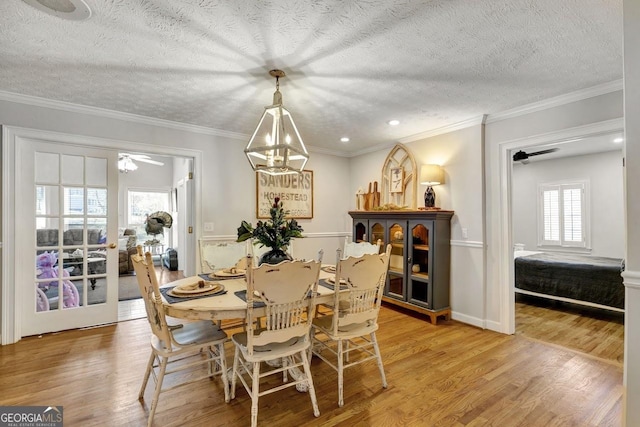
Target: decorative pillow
[(122, 243), (132, 241)]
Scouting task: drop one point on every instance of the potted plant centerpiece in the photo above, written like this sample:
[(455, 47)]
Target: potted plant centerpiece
[(275, 234)]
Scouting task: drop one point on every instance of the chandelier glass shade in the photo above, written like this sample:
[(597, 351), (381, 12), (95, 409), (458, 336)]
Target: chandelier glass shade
[(276, 147)]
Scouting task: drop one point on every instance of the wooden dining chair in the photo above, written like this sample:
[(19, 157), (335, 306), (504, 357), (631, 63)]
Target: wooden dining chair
[(220, 254), (347, 337), (201, 341), (283, 296), (357, 249)]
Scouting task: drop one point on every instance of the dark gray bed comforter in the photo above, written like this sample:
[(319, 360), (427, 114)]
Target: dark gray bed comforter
[(583, 278)]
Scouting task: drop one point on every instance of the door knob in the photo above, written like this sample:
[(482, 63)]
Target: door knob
[(112, 246)]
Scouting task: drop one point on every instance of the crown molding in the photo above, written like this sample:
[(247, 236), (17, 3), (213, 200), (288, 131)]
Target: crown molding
[(372, 149), (474, 121), (118, 115), (135, 118), (479, 120), (557, 101), (320, 150)]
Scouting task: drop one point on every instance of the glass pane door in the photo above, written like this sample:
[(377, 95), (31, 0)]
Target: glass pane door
[(72, 193), (377, 233), (419, 256), (396, 236)]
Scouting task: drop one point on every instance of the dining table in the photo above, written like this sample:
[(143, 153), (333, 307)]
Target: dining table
[(229, 304)]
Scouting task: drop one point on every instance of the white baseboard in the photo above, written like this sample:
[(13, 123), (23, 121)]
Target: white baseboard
[(470, 320), (475, 321), (493, 326)]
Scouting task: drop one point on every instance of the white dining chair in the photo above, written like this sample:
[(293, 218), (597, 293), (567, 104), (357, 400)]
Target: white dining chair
[(220, 254), (202, 341), (347, 337), (357, 249), (283, 297)]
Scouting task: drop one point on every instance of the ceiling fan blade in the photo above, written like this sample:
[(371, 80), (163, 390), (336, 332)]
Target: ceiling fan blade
[(537, 153), (140, 158), (152, 162)]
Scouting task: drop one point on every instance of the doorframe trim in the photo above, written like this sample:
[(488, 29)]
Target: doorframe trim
[(10, 329), (504, 242)]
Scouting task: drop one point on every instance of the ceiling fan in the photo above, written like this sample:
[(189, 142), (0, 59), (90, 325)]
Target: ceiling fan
[(126, 161), (523, 157)]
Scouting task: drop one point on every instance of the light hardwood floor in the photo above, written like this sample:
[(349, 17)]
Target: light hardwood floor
[(594, 332), (450, 374)]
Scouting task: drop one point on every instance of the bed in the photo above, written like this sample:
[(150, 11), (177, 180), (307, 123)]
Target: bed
[(593, 281)]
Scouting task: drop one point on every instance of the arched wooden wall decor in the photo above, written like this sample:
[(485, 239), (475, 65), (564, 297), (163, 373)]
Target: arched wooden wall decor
[(400, 178)]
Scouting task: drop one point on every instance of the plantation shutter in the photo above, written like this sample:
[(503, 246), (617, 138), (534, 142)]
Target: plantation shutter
[(562, 210)]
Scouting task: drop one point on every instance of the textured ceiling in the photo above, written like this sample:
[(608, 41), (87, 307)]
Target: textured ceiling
[(351, 64)]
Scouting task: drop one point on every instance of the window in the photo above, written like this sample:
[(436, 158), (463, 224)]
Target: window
[(141, 203), (563, 215)]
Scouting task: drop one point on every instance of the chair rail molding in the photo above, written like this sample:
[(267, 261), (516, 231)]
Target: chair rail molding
[(631, 279), (233, 237), (467, 244)]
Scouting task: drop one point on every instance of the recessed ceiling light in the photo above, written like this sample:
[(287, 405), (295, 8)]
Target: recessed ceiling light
[(393, 122), (618, 140), (344, 139)]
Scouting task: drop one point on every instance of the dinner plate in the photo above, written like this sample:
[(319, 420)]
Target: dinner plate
[(329, 268), (194, 288), (217, 289), (227, 272)]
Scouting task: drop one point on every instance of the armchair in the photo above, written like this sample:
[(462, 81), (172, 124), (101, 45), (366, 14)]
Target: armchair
[(126, 247)]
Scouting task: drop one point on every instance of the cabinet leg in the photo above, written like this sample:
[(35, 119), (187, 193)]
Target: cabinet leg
[(433, 317)]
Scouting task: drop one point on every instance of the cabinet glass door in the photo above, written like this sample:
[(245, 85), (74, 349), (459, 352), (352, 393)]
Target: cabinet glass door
[(396, 285), (377, 233), (420, 261), (359, 231)]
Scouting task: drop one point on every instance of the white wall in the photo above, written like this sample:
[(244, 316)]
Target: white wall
[(460, 153), (603, 172)]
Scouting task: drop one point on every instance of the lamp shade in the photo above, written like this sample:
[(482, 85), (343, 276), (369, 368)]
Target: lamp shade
[(431, 175)]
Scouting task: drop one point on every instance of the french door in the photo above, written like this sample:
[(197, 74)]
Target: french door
[(67, 216)]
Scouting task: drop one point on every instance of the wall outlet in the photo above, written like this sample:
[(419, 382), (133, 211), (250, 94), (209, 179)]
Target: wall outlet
[(465, 233), (208, 226)]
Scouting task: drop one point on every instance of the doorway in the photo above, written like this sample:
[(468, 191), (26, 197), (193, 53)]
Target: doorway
[(13, 271), (596, 160)]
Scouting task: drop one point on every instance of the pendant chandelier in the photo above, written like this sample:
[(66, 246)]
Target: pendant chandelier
[(276, 148)]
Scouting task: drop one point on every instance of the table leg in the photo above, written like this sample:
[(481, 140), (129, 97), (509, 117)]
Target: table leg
[(294, 372)]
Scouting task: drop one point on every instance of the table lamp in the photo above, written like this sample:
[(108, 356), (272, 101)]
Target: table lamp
[(431, 175)]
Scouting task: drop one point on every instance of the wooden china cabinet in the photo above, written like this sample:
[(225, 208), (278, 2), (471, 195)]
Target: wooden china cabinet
[(419, 265)]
